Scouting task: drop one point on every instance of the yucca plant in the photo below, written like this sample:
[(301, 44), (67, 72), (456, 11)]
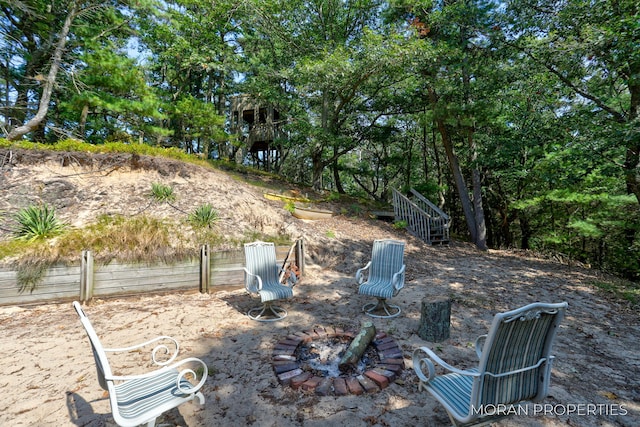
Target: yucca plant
[(204, 216), (38, 222), (162, 193)]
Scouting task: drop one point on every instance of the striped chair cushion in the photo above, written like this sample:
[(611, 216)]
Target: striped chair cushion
[(273, 291), (377, 288), (454, 390), (386, 260), (261, 261), (135, 397), (519, 344)]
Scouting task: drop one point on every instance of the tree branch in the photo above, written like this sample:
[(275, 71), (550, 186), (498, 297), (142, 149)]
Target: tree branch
[(43, 107)]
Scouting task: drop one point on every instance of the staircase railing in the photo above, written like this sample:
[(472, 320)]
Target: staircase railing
[(424, 219)]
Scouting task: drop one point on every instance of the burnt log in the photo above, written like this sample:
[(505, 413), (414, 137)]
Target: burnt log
[(351, 357)]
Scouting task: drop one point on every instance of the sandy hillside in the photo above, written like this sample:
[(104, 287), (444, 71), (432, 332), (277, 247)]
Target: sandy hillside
[(47, 375)]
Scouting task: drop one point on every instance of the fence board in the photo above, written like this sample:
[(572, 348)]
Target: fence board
[(63, 282), (58, 283), (118, 278)]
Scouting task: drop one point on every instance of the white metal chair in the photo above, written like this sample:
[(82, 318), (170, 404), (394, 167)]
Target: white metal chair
[(140, 399), (382, 277), (514, 366), (261, 276)]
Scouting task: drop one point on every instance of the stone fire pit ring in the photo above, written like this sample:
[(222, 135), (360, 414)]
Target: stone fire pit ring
[(291, 372)]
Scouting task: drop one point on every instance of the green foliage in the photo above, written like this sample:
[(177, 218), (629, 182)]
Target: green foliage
[(538, 100), (290, 206), (252, 236), (162, 193), (333, 197), (400, 225), (13, 247), (200, 122), (128, 239), (109, 147), (599, 229), (626, 290), (204, 216), (37, 222)]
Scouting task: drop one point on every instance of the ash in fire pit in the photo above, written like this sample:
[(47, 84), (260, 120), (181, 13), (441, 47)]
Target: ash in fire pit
[(310, 361), (322, 357)]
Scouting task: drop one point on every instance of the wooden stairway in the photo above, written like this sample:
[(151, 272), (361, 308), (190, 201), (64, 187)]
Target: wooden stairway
[(424, 219)]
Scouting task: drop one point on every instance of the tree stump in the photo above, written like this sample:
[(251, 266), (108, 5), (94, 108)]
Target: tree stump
[(435, 319), (356, 349)]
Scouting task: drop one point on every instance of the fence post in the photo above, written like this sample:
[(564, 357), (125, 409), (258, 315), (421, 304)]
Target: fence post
[(86, 276), (205, 268), (299, 253)]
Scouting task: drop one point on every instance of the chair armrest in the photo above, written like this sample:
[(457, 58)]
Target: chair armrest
[(398, 279), (181, 374), (479, 344), (360, 273), (249, 279), (154, 353), (419, 363)]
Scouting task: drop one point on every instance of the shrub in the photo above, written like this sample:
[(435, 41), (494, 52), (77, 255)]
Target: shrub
[(38, 222), (400, 225), (204, 216), (289, 207), (162, 193)]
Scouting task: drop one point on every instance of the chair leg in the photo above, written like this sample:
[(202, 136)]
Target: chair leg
[(267, 313), (382, 306)]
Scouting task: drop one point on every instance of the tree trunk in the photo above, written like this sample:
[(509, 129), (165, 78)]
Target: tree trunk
[(436, 157), (83, 119), (336, 172), (463, 192), (47, 89), (632, 156), (352, 356), (317, 166), (478, 210), (525, 230)]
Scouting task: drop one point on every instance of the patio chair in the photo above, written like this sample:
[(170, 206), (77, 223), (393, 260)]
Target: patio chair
[(514, 366), (261, 276), (382, 277), (140, 399)]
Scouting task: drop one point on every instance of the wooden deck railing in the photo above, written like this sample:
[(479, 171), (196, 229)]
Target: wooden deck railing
[(424, 219)]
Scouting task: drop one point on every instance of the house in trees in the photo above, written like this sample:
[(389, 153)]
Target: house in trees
[(259, 130)]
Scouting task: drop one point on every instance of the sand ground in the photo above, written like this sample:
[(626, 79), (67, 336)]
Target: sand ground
[(47, 373)]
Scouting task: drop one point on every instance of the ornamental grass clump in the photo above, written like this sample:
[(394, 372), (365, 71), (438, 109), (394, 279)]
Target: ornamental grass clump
[(162, 193), (37, 222), (204, 216)]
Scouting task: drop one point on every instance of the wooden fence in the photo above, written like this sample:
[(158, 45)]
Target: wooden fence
[(64, 283)]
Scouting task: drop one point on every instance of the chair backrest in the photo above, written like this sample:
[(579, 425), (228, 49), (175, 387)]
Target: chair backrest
[(260, 259), (387, 257), (515, 364), (102, 363)]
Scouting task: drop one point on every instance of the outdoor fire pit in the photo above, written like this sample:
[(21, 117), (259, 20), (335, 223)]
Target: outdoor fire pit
[(311, 361)]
